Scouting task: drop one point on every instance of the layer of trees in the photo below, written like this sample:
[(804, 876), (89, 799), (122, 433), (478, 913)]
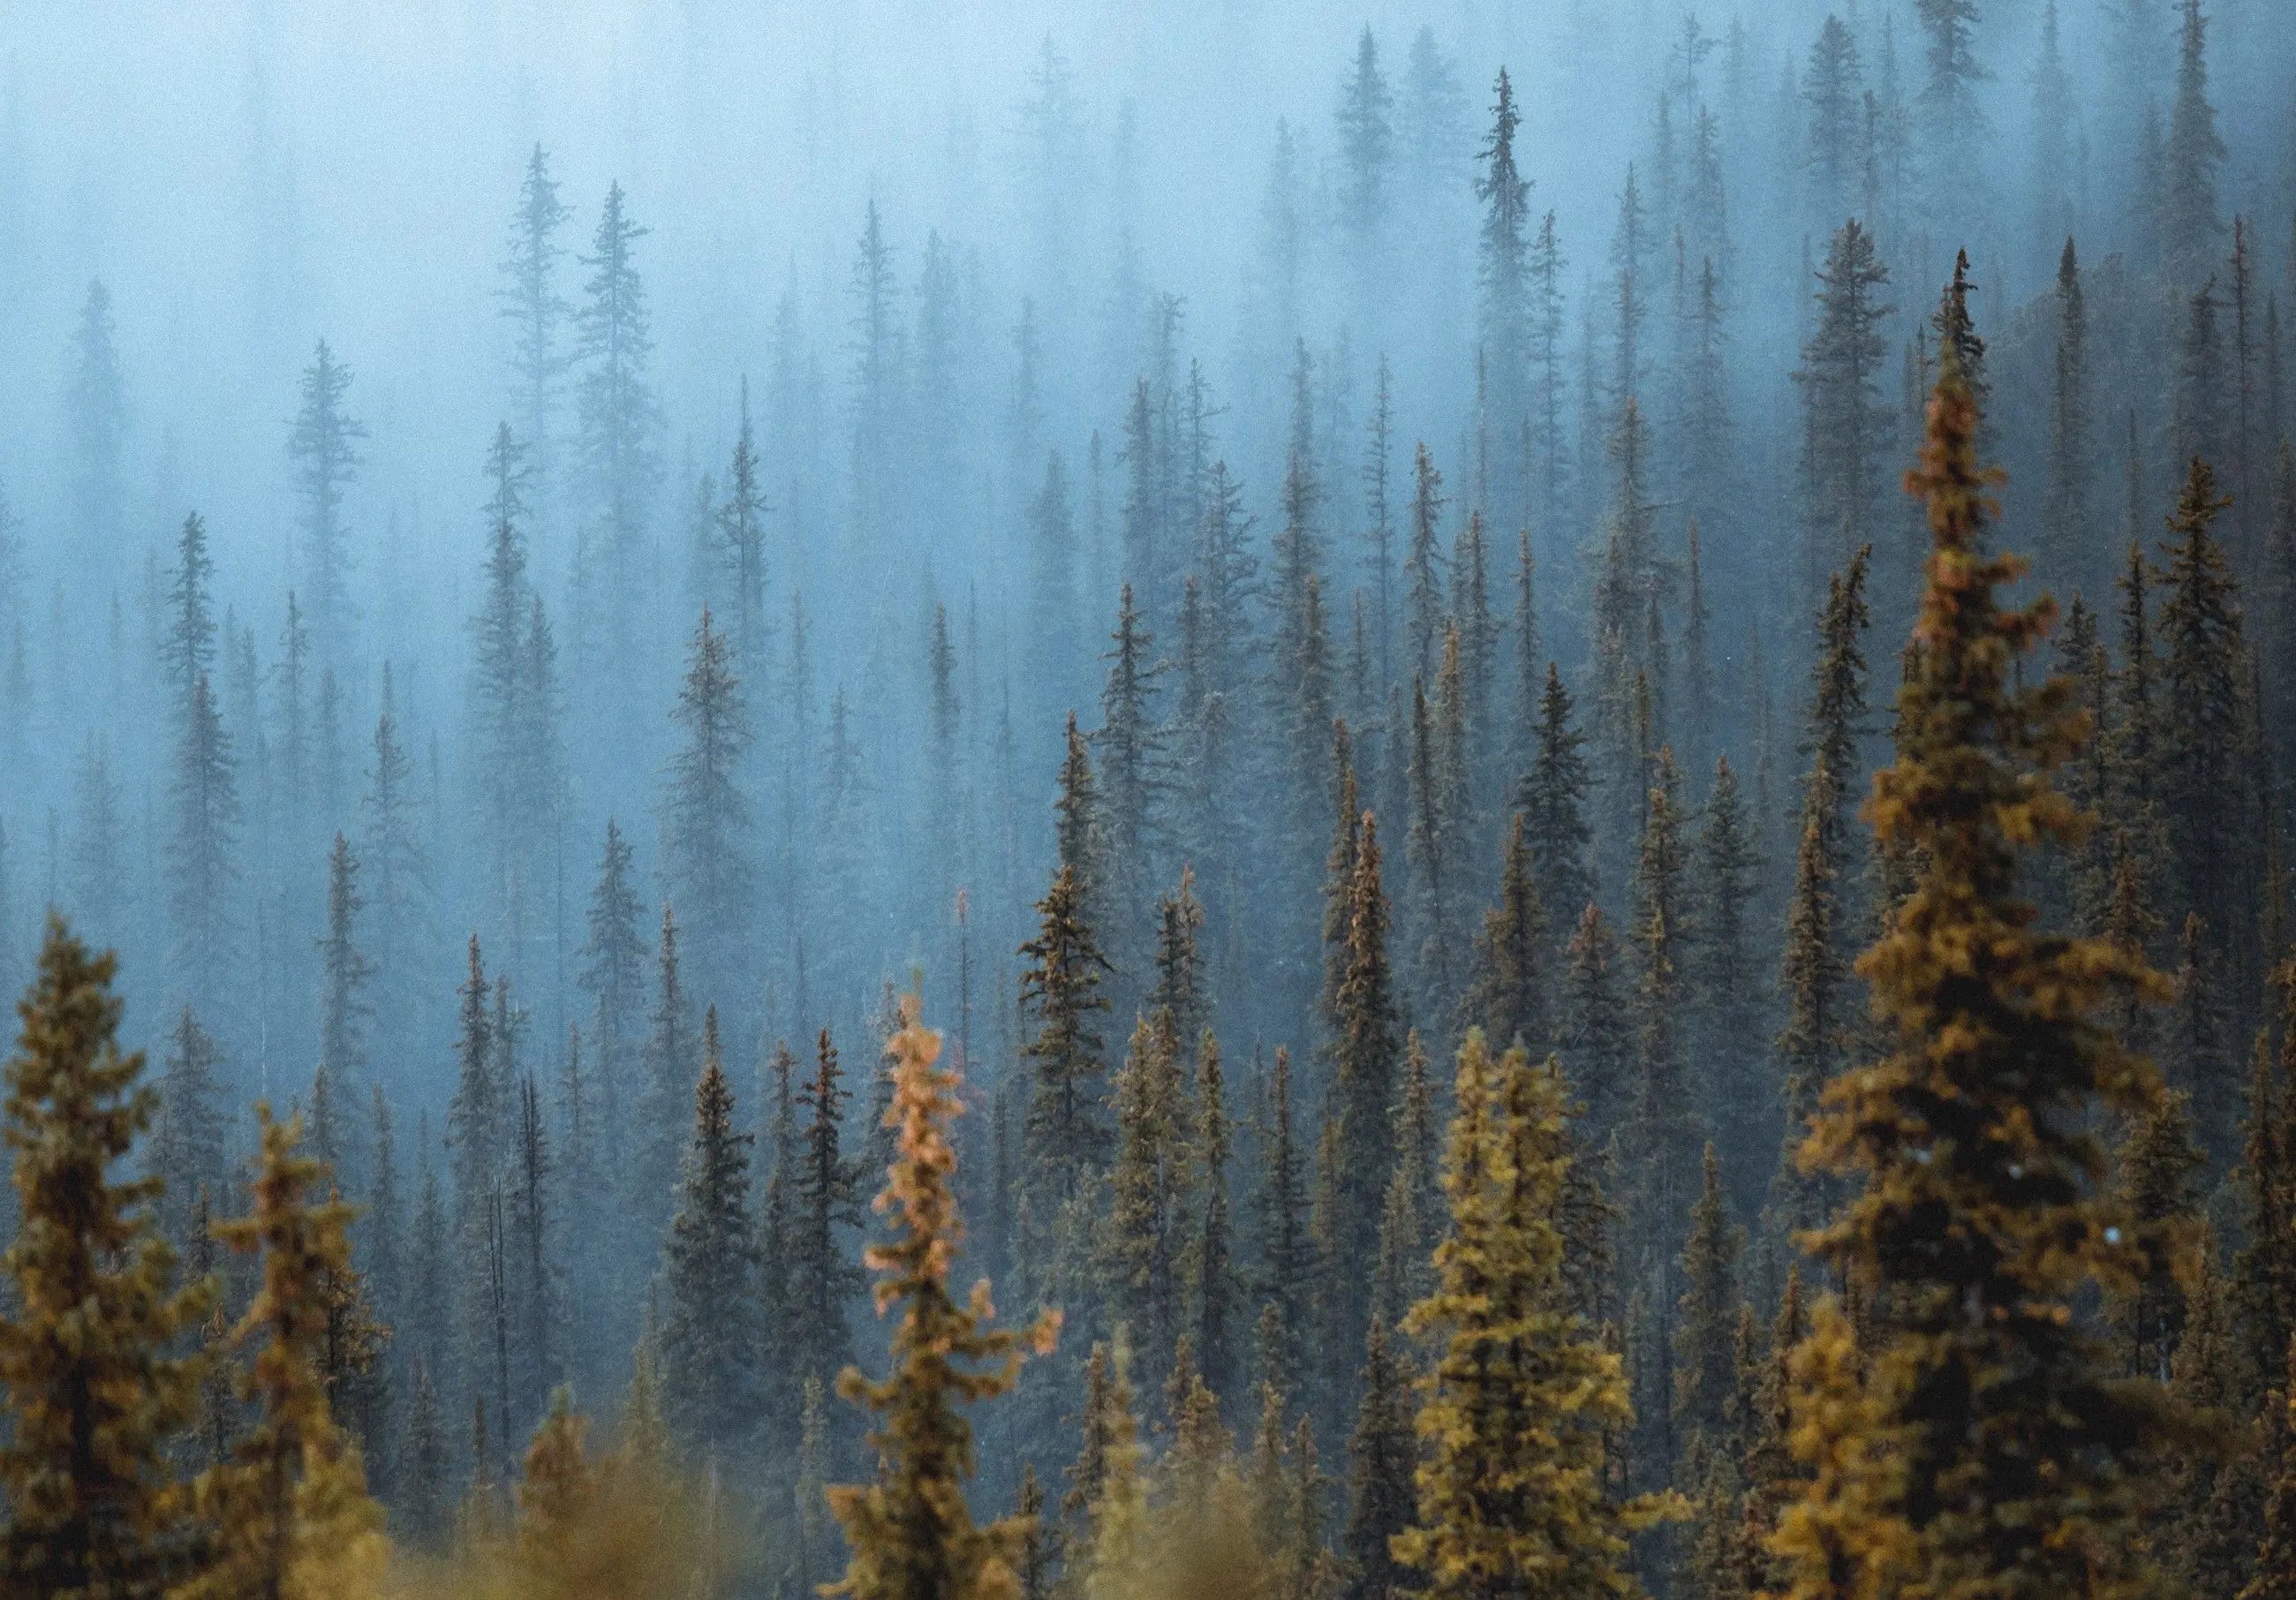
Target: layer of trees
[(1613, 999)]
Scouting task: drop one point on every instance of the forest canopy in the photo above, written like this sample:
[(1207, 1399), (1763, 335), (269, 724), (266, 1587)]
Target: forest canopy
[(1217, 801)]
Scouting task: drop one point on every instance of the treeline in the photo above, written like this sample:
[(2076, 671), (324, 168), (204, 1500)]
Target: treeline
[(2022, 1368)]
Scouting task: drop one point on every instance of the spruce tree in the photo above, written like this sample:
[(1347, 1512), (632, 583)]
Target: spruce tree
[(1522, 1397), (1595, 1040), (1705, 1360), (1552, 799), (669, 1073), (203, 850), (1382, 1463), (1509, 997), (706, 820), (188, 1148), (2063, 560), (1845, 423), (89, 1352), (1503, 260), (1366, 1055), (1287, 1253), (1366, 143), (1141, 1232), (613, 973), (391, 853), (1833, 89), (1423, 570), (344, 974), (531, 301), (2155, 1177), (2203, 791), (1130, 757), (1213, 1277), (911, 1535), (289, 1510), (2188, 220), (617, 414), (323, 445), (1061, 988), (827, 1206), (739, 542), (710, 1362), (1974, 1368)]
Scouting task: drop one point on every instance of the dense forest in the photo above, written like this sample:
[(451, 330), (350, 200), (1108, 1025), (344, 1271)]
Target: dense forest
[(1533, 766)]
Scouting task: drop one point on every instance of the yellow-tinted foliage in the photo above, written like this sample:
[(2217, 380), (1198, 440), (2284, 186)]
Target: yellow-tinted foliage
[(615, 1526)]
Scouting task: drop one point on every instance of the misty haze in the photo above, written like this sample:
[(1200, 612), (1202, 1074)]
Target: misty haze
[(1533, 761)]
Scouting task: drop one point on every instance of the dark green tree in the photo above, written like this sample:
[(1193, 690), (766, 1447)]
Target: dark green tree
[(711, 1359)]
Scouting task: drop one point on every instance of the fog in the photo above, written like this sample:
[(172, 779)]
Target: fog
[(931, 255)]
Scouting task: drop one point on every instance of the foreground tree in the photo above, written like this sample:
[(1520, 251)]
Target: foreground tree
[(93, 1391), (912, 1533), (1514, 1490), (288, 1512), (1973, 1441)]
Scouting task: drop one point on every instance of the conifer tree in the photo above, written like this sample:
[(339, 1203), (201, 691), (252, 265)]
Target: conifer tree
[(202, 848), (1130, 748), (531, 301), (2203, 795), (1705, 1361), (1974, 1367), (421, 1505), (1503, 260), (2188, 219), (1422, 569), (1383, 1461), (2156, 1171), (188, 647), (1845, 423), (911, 1533), (1833, 86), (344, 972), (392, 855), (1366, 143), (290, 1509), (1113, 1558), (1814, 968), (1287, 1253), (2065, 508), (1726, 990), (1211, 1267), (1141, 1236), (827, 1205), (617, 414), (614, 963), (710, 1363), (1179, 987), (1513, 1490), (2275, 1573), (1061, 986), (706, 821), (1510, 998), (1552, 799), (88, 1343), (1595, 1039), (323, 444), (1366, 1055), (738, 541), (187, 1151), (668, 1074)]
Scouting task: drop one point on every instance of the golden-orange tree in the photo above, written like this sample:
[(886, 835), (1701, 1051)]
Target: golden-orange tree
[(913, 1536), (1972, 1438)]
